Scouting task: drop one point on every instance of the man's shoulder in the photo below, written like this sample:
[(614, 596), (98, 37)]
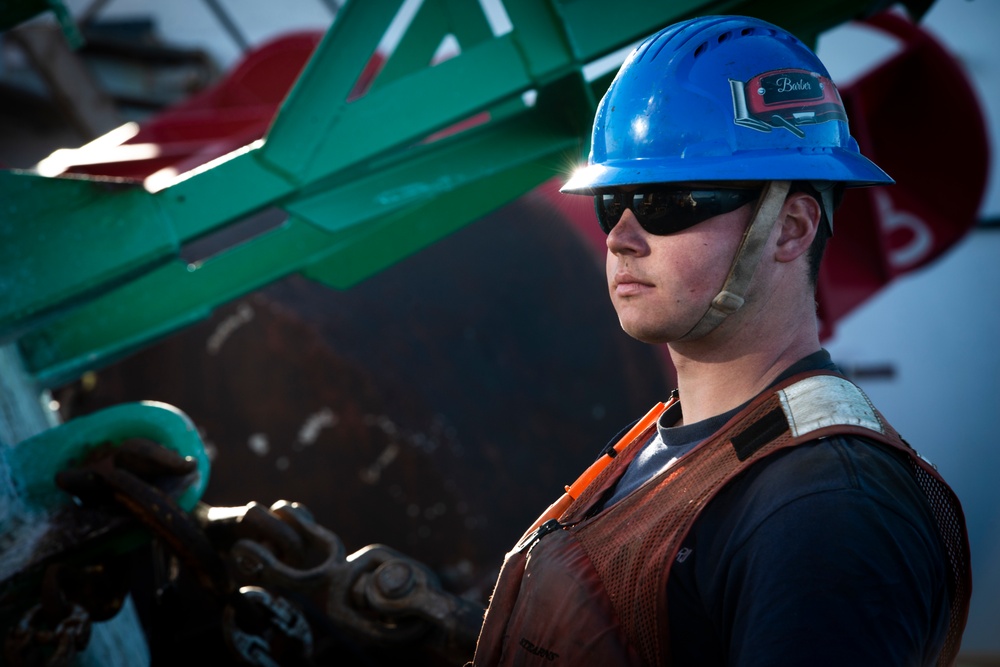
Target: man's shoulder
[(838, 463), (834, 475), (827, 499), (807, 537)]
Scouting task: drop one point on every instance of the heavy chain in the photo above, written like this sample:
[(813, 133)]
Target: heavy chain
[(255, 560), (377, 594), (84, 576), (50, 633)]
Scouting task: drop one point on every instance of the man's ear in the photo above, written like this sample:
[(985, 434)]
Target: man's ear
[(800, 219)]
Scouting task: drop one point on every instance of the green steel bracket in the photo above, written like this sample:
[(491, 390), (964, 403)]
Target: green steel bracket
[(527, 151), (92, 271), (34, 462), (463, 20)]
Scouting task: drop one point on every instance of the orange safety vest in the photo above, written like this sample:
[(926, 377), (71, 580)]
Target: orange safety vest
[(605, 574)]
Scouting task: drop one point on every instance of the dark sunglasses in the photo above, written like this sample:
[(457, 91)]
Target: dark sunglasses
[(664, 211)]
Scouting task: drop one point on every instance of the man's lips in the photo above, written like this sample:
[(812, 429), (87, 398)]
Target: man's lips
[(626, 284)]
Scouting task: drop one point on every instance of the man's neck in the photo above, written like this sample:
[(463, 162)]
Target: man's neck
[(715, 381)]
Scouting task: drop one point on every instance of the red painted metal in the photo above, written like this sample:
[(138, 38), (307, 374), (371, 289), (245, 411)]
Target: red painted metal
[(234, 112), (918, 118)]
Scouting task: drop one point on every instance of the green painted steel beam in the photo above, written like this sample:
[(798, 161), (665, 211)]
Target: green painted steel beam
[(194, 206), (424, 201), (466, 21), (222, 192), (592, 32), (319, 96), (340, 236), (158, 303), (380, 246), (62, 240), (91, 270), (542, 38), (418, 45), (435, 20), (399, 114)]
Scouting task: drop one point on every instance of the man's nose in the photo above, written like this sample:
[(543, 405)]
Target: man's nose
[(627, 236)]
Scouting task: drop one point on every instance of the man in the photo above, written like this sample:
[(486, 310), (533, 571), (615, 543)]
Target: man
[(767, 515)]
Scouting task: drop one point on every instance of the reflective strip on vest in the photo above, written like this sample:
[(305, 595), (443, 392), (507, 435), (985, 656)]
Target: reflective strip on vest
[(827, 400)]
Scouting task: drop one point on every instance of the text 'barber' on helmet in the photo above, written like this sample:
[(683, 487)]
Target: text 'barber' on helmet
[(722, 98)]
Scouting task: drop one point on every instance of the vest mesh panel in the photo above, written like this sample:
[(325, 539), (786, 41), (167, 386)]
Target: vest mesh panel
[(951, 528)]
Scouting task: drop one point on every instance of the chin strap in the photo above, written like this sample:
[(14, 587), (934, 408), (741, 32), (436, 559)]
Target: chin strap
[(731, 297)]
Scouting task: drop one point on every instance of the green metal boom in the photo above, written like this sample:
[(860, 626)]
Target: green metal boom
[(92, 269)]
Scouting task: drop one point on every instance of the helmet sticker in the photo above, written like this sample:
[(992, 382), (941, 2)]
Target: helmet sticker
[(786, 98)]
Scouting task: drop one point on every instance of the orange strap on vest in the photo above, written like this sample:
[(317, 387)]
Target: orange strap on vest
[(573, 491)]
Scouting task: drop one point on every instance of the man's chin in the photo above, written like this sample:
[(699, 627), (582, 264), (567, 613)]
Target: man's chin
[(648, 336)]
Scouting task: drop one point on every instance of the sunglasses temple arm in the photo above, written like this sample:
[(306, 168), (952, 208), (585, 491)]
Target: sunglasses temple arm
[(732, 295)]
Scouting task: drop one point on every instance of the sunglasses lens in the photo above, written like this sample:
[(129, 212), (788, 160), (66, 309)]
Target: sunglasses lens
[(609, 209), (664, 212), (668, 211)]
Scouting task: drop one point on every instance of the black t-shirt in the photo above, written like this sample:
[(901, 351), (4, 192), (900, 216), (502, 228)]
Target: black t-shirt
[(823, 554), (672, 442)]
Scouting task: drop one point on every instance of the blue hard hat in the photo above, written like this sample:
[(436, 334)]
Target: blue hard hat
[(722, 98)]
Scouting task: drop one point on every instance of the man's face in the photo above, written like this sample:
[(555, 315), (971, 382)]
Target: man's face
[(661, 286)]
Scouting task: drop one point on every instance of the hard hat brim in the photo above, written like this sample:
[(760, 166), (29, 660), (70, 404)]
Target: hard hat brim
[(828, 164)]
